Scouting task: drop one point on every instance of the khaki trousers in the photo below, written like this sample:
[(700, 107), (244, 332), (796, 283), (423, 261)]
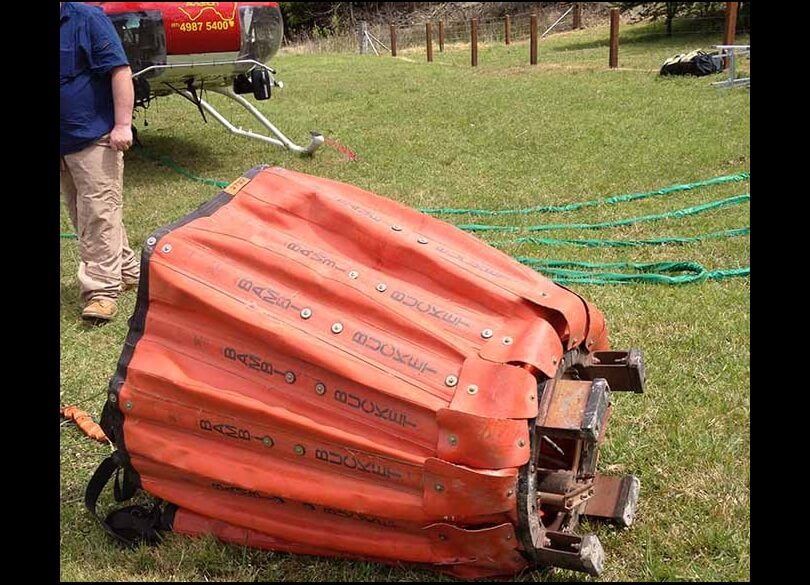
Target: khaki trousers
[(92, 184)]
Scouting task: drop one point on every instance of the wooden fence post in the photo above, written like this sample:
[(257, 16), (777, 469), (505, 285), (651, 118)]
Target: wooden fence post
[(507, 32), (441, 36), (429, 37), (362, 37), (613, 60), (393, 40), (577, 15), (474, 42), (730, 30), (533, 42)]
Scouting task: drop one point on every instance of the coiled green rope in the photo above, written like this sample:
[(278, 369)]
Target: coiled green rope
[(587, 243), (571, 272), (581, 204), (678, 213)]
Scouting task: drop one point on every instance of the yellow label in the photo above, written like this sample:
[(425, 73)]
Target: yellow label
[(237, 185)]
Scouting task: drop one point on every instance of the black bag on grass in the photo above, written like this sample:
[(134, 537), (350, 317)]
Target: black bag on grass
[(696, 63)]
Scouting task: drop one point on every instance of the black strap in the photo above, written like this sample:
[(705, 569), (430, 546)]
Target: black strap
[(135, 524), (129, 525), (124, 491)]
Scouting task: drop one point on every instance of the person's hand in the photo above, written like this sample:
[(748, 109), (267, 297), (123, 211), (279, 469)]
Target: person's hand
[(121, 137)]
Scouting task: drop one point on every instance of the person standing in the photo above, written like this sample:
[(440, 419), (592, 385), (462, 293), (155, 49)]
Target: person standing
[(95, 112)]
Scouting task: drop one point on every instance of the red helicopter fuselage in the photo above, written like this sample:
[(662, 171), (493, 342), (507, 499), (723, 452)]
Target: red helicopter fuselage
[(195, 44), (185, 48)]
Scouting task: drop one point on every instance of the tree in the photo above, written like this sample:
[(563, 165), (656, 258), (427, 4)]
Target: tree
[(669, 10), (326, 16)]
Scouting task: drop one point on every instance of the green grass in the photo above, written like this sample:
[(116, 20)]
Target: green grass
[(504, 135)]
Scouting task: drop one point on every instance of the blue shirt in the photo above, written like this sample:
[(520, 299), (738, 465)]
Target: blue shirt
[(89, 48)]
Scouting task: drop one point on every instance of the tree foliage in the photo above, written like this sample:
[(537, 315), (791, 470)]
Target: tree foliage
[(669, 10), (326, 17)]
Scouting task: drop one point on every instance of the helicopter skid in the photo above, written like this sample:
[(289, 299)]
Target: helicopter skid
[(278, 139)]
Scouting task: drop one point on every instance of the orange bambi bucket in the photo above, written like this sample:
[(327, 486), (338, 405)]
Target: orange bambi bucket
[(315, 369)]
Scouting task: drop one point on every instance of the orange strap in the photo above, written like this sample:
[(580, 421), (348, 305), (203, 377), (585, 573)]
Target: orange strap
[(84, 422)]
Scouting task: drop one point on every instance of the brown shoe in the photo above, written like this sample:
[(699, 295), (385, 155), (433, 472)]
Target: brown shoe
[(102, 309)]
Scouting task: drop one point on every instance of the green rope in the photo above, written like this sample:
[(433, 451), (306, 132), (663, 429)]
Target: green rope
[(571, 272), (69, 236), (144, 153), (678, 213), (579, 205), (141, 151), (586, 243)]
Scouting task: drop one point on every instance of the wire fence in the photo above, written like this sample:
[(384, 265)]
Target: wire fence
[(454, 35), (701, 25), (452, 32), (490, 31)]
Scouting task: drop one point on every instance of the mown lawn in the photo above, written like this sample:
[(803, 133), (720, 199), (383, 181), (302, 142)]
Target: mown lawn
[(505, 135)]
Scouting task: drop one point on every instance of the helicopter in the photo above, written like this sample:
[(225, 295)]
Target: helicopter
[(223, 47)]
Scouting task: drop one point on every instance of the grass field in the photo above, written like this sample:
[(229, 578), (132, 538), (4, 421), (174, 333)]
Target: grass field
[(504, 135)]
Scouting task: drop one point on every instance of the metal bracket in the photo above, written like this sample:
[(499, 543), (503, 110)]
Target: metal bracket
[(570, 551), (614, 500), (731, 52), (623, 370), (575, 409)]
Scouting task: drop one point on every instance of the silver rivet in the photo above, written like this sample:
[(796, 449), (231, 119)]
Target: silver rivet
[(353, 274), (290, 377), (486, 333), (543, 294), (574, 340), (438, 487), (472, 389), (306, 313), (554, 361), (508, 537), (396, 228), (531, 396), (267, 441), (382, 287), (337, 327), (590, 342), (320, 388), (509, 493), (128, 405), (451, 380), (521, 443), (422, 240), (507, 341), (442, 537), (151, 241), (453, 440), (299, 450), (167, 248), (113, 398)]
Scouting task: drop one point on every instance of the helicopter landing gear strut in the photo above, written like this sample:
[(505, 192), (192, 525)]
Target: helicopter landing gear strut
[(278, 139)]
